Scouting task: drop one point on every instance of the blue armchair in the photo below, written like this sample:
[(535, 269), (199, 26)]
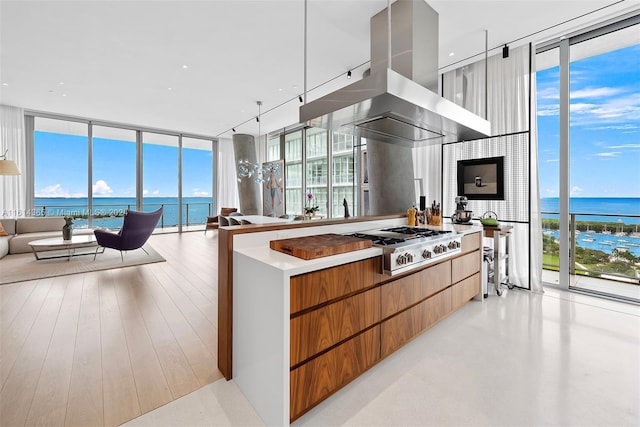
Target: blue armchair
[(135, 231)]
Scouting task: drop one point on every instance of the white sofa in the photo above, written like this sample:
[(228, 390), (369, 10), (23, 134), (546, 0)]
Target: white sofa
[(21, 231)]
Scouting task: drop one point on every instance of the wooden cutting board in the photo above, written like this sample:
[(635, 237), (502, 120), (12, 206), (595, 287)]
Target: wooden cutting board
[(320, 245)]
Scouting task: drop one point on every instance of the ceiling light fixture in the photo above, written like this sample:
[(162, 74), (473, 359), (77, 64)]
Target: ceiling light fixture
[(184, 67), (300, 99), (349, 74), (233, 129), (505, 52)]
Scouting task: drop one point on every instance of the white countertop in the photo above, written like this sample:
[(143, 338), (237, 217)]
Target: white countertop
[(294, 266)]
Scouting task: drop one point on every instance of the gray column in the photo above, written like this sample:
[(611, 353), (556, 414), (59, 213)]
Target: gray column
[(244, 148), (391, 178)]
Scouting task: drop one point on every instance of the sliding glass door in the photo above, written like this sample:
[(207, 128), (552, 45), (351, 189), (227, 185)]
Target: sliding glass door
[(600, 174)]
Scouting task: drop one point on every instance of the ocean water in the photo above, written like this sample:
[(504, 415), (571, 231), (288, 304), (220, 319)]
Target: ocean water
[(608, 208), (108, 211), (611, 210)]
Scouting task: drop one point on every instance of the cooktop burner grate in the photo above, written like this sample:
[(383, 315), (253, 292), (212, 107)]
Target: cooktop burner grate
[(424, 232)]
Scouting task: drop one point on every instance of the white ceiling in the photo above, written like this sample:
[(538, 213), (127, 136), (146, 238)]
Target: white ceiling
[(116, 60)]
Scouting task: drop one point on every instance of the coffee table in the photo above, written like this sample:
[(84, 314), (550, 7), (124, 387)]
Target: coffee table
[(57, 243)]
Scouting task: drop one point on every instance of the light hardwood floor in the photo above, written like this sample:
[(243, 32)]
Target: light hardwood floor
[(102, 348)]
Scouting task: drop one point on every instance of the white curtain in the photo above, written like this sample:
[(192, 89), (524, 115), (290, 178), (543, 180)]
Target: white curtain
[(12, 140), (508, 100), (227, 190), (535, 219)]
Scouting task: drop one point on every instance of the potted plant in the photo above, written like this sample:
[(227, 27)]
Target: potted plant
[(309, 209)]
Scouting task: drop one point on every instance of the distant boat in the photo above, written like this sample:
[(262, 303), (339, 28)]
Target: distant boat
[(635, 245), (622, 241), (605, 231), (621, 248), (588, 230), (608, 243), (589, 240), (635, 233), (620, 229)]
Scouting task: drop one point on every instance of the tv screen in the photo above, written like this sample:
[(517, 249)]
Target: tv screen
[(481, 179)]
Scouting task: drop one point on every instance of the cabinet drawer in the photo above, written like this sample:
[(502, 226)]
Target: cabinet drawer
[(471, 242), (319, 329), (319, 378), (400, 329), (464, 266), (464, 291), (308, 290), (404, 292)]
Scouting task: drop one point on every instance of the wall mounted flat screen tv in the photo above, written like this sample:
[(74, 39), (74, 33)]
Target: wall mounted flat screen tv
[(481, 179)]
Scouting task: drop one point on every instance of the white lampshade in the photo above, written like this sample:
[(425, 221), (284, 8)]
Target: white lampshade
[(8, 167)]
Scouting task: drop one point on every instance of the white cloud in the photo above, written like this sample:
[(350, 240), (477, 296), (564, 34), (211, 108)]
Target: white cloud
[(54, 190), (576, 190), (101, 188), (197, 193), (155, 192), (595, 92), (549, 110), (553, 160), (145, 192), (549, 93), (609, 154), (619, 147), (581, 107)]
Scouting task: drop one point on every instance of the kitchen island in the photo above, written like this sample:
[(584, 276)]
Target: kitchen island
[(302, 329)]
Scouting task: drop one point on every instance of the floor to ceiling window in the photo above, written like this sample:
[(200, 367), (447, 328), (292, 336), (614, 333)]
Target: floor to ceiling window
[(114, 175), (604, 178), (342, 174), (160, 176), (293, 173), (197, 181), (95, 172), (61, 169), (316, 167)]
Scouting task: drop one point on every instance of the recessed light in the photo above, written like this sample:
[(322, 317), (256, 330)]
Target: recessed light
[(64, 94), (280, 89), (61, 83), (184, 67), (5, 84), (451, 53), (295, 86), (169, 88)]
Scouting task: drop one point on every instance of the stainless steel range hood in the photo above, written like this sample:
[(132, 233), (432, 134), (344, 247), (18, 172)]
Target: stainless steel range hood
[(396, 105)]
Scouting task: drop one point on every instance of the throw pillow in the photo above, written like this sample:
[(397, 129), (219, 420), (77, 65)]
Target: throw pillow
[(3, 232)]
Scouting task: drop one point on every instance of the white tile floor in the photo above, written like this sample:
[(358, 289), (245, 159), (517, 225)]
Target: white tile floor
[(520, 359)]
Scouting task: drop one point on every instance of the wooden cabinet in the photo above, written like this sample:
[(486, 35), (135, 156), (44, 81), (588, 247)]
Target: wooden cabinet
[(402, 328), (320, 329), (404, 292), (465, 266), (463, 291), (309, 290), (344, 319), (319, 378)]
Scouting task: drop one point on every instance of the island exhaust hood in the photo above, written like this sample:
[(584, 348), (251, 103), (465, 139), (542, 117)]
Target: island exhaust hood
[(400, 104)]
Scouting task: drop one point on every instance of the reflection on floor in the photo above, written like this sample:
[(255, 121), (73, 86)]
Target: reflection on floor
[(611, 287), (521, 359)]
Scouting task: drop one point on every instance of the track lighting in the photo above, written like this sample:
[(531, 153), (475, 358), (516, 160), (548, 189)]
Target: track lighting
[(300, 98), (349, 74), (505, 51), (233, 129)]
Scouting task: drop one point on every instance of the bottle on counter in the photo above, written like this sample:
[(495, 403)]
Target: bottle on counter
[(411, 216)]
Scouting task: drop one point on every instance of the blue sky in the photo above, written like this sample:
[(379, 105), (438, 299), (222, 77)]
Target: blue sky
[(61, 168), (605, 126)]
